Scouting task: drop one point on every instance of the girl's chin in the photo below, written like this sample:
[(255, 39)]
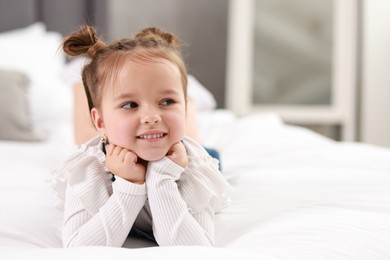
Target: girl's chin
[(152, 157)]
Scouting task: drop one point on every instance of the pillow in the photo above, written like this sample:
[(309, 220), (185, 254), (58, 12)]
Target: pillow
[(36, 53), (203, 98), (34, 30), (15, 122)]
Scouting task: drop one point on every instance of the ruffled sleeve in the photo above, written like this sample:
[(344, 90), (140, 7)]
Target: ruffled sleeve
[(202, 184), (85, 153)]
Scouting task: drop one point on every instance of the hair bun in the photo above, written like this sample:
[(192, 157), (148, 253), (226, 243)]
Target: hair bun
[(83, 41), (155, 36), (95, 47)]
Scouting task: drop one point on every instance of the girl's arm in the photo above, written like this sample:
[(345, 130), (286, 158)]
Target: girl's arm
[(92, 217), (173, 224)]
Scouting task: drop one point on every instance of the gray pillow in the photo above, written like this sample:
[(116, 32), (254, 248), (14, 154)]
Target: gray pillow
[(15, 120)]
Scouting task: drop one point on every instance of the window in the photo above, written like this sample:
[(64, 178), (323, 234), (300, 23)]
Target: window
[(296, 58)]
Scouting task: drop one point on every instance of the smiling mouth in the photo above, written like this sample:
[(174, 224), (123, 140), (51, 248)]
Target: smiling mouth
[(151, 136)]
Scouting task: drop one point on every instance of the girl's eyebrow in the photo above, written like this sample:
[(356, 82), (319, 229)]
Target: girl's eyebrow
[(169, 92), (123, 96)]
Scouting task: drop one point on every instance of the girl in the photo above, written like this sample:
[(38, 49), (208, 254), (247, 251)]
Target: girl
[(143, 175)]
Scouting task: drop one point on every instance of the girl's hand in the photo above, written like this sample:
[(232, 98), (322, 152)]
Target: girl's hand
[(178, 154), (123, 163)]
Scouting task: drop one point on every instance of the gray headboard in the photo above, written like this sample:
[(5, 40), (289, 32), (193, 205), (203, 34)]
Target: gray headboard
[(202, 24), (58, 15)]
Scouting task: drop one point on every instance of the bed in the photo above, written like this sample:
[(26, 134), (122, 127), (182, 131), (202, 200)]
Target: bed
[(296, 194)]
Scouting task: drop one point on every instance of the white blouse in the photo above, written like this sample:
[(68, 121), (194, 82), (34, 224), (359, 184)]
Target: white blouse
[(176, 204)]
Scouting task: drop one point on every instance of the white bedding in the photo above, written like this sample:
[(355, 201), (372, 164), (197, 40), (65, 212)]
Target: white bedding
[(297, 195)]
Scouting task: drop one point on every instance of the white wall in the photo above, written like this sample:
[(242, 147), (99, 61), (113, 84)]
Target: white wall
[(375, 99)]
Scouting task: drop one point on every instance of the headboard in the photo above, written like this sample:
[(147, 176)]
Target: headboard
[(58, 15), (202, 24)]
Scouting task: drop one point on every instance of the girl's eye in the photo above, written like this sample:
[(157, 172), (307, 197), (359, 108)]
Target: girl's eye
[(130, 105), (167, 102)]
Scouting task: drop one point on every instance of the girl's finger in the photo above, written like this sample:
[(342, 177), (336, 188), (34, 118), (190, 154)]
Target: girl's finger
[(109, 149), (117, 150), (130, 157), (123, 153), (173, 149)]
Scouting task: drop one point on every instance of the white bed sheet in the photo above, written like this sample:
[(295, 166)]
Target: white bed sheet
[(297, 195)]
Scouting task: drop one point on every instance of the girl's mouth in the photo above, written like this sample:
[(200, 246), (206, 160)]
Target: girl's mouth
[(152, 136)]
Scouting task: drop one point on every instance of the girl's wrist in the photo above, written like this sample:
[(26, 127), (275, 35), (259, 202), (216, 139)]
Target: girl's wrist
[(125, 186), (164, 167)]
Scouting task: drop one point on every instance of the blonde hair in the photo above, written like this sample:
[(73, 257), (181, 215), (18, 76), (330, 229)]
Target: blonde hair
[(147, 45)]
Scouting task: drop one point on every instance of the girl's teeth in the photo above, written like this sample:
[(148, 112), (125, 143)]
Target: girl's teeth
[(153, 136)]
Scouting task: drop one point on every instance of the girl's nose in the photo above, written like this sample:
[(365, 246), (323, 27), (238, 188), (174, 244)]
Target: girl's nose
[(150, 119)]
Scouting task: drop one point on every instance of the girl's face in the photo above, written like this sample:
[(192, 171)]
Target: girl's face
[(145, 111)]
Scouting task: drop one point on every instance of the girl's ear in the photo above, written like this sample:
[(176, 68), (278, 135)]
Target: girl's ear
[(98, 121)]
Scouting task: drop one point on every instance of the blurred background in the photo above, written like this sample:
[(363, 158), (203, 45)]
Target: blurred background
[(292, 48)]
